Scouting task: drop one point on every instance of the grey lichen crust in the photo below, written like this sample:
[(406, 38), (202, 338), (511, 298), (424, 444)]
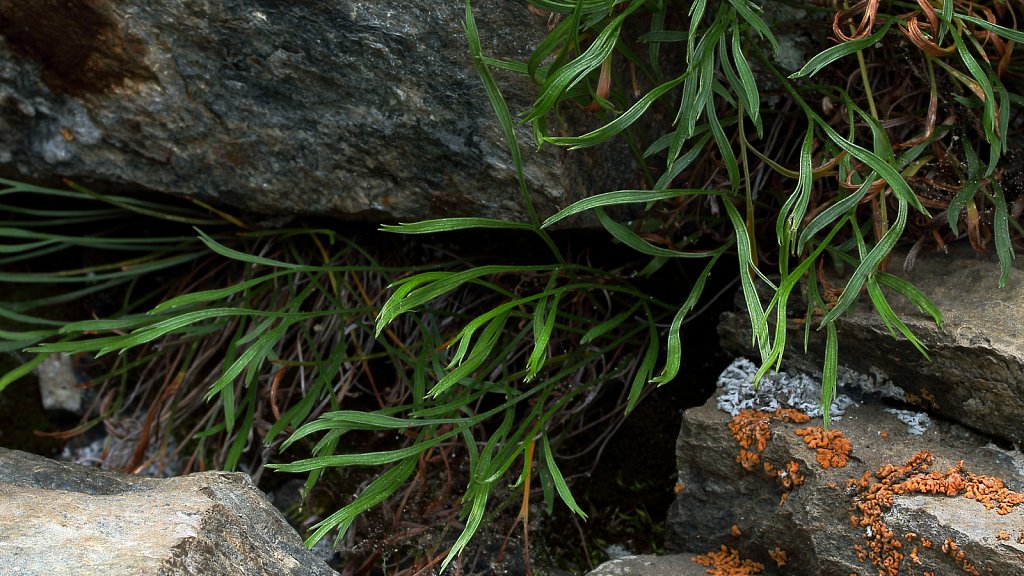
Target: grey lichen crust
[(972, 372), (797, 389)]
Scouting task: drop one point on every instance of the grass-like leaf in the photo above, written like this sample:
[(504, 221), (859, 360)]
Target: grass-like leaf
[(22, 369), (376, 492), (830, 55), (869, 264), (912, 293), (755, 311), (573, 72), (621, 197), (829, 376), (615, 127), (454, 224), (1001, 229), (892, 322), (556, 475), (422, 288)]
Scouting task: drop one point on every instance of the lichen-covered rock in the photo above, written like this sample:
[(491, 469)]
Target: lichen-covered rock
[(976, 360), (868, 496), (357, 108), (58, 518)]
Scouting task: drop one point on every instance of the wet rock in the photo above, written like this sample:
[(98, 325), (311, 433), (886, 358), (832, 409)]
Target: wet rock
[(58, 518), (360, 108), (976, 359), (757, 485)]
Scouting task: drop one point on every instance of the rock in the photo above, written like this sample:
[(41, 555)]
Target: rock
[(360, 108), (976, 359), (838, 520), (674, 565), (58, 384), (58, 518)]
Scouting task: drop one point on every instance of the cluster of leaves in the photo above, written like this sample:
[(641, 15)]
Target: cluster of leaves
[(225, 347), (40, 276), (881, 151), (935, 144)]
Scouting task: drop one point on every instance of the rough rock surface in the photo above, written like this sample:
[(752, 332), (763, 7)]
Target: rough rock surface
[(975, 372), (675, 565), (356, 108), (754, 512), (58, 518)]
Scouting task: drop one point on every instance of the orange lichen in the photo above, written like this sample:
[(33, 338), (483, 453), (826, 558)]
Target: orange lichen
[(751, 431), (883, 434), (793, 475), (992, 493), (736, 532), (679, 487), (883, 549), (1002, 535), (791, 415), (833, 448), (727, 562), (790, 477), (950, 549), (748, 459), (779, 556)]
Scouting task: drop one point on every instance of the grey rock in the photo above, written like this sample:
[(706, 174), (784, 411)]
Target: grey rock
[(813, 523), (58, 384), (648, 565), (358, 108), (974, 375), (58, 518)]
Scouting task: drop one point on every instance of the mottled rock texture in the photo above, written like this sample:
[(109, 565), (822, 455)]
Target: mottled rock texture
[(721, 503), (358, 108), (58, 518), (675, 565), (975, 374)]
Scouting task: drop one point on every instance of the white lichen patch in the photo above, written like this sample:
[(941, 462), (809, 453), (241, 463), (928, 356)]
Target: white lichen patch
[(800, 390), (616, 551), (917, 422)]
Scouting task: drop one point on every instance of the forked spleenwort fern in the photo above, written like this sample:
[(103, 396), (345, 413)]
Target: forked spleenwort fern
[(728, 50), (749, 148)]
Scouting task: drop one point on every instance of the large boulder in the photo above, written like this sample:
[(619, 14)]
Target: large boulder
[(357, 108), (974, 372), (58, 518), (880, 492)]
